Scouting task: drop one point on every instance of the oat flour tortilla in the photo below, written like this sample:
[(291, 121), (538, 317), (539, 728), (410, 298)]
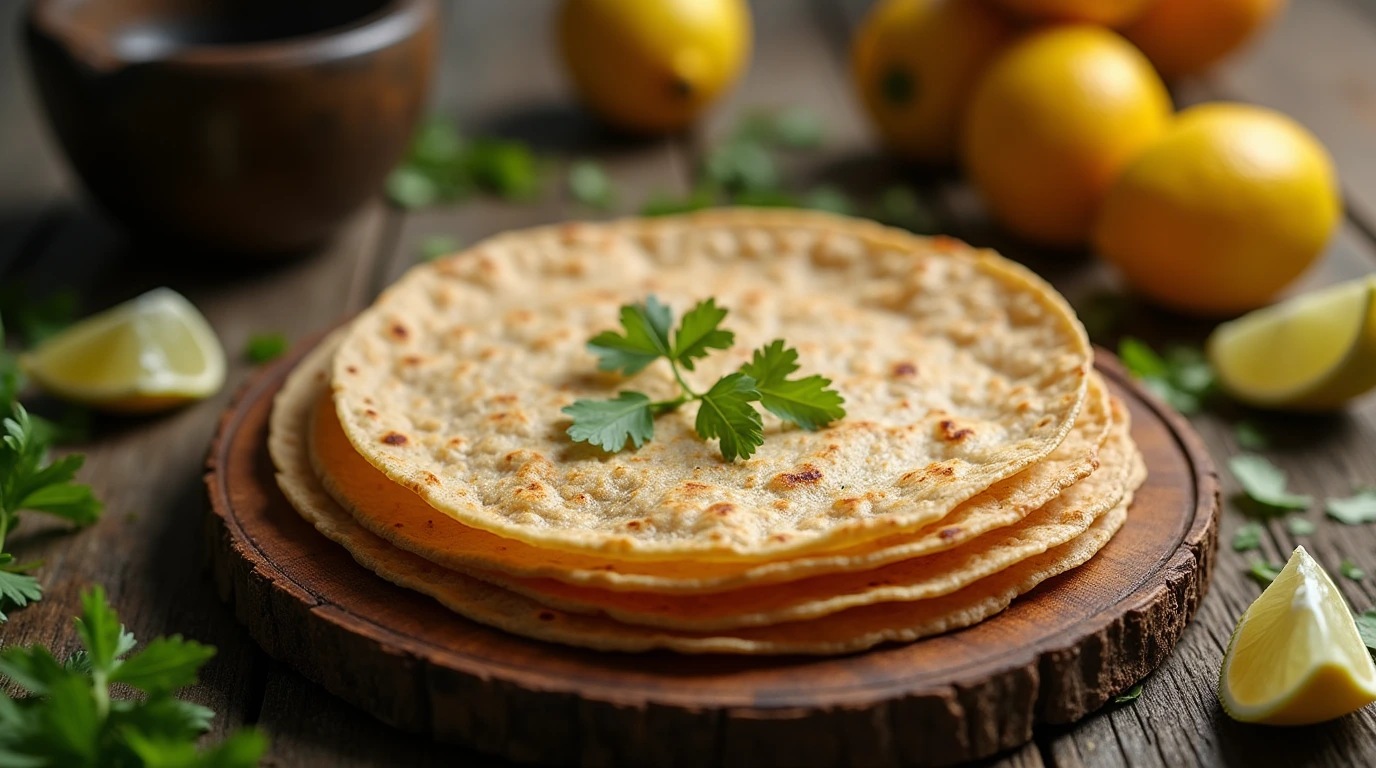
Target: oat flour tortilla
[(959, 369), (848, 631), (405, 520)]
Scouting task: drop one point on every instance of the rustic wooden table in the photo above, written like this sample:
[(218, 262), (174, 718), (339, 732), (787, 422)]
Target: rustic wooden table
[(499, 75)]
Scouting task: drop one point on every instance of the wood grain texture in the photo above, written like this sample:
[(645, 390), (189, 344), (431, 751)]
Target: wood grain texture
[(1051, 658)]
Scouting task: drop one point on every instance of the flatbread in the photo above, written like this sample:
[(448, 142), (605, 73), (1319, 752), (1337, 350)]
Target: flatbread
[(848, 631), (407, 521), (959, 369)]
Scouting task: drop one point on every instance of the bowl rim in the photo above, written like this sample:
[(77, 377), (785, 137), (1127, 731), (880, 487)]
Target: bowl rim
[(392, 23)]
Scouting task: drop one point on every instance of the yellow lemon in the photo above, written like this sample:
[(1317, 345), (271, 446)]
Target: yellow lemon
[(1182, 37), (1052, 123), (148, 354), (1223, 212), (1110, 13), (915, 63), (1296, 657), (651, 66), (1313, 352)]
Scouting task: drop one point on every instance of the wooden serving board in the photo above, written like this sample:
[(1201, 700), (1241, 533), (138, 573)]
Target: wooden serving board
[(1055, 655)]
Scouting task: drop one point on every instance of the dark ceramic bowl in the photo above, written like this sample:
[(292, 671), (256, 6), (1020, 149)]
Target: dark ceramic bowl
[(233, 125)]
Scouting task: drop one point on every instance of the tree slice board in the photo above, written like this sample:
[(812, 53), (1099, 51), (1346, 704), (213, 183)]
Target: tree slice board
[(1055, 655)]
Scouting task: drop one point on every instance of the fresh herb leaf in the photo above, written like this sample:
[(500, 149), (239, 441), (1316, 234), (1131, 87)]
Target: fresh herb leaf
[(1264, 483), (798, 128), (829, 198), (740, 166), (1141, 360), (726, 414), (1350, 570), (1247, 537), (608, 424), (807, 402), (1182, 378), (507, 168), (1300, 526), (646, 338), (1250, 436), (590, 185), (699, 332), (1354, 510), (765, 198), (410, 188), (16, 591), (1263, 572), (1366, 627), (899, 206), (1103, 314), (70, 718), (665, 204), (36, 320), (1130, 695), (437, 246), (264, 347)]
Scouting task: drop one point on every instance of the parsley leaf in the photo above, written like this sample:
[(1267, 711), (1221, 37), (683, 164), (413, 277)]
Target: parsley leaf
[(699, 332), (1366, 627), (1263, 572), (590, 185), (1354, 510), (806, 402), (1300, 526), (645, 341), (265, 347), (1247, 537), (1350, 570), (607, 424), (1130, 695), (438, 246), (17, 590), (726, 414), (1264, 483)]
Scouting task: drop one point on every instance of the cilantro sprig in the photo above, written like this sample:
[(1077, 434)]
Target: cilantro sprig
[(69, 717), (726, 411)]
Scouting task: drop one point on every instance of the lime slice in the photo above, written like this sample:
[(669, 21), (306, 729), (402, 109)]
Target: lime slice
[(147, 354), (1295, 657), (1313, 352)]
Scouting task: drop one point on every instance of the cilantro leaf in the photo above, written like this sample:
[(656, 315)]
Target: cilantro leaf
[(1366, 627), (608, 424), (1264, 483), (664, 204), (1355, 510), (1182, 378), (1130, 695), (726, 414), (264, 347), (1300, 526), (506, 167), (438, 246), (1250, 436), (1247, 537), (99, 630), (899, 206), (1350, 570), (645, 341), (16, 591), (806, 402), (739, 166), (1263, 572), (699, 331), (590, 185), (410, 188), (1141, 360), (164, 665)]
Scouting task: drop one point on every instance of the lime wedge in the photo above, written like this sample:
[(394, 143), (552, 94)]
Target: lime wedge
[(1296, 657), (148, 354), (1313, 352)]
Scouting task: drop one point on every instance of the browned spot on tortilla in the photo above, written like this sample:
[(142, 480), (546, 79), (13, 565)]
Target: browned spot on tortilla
[(779, 537), (371, 413), (721, 509), (455, 442), (633, 525), (351, 369), (431, 479), (504, 399), (1043, 421), (949, 533), (952, 433), (411, 360), (904, 369), (399, 331), (394, 438), (781, 504), (807, 474)]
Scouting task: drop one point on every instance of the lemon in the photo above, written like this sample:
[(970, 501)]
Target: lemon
[(1107, 12), (1295, 657), (1183, 37), (1313, 352), (148, 354), (1053, 121), (651, 66), (1223, 212), (915, 63)]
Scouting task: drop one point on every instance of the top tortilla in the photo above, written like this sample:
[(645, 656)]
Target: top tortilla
[(959, 369)]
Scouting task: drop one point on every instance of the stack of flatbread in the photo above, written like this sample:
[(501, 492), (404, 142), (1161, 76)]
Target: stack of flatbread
[(980, 453)]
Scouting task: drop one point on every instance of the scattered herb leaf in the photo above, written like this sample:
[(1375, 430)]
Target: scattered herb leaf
[(1264, 483), (438, 246), (1350, 570), (1130, 695), (1103, 314), (441, 166), (766, 198), (409, 188), (70, 718), (798, 128), (1250, 436), (664, 204), (1182, 378), (1354, 510), (36, 320), (1300, 526), (829, 198), (264, 347), (1247, 537), (590, 185), (1263, 572), (725, 411), (1366, 627), (899, 206), (740, 166)]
